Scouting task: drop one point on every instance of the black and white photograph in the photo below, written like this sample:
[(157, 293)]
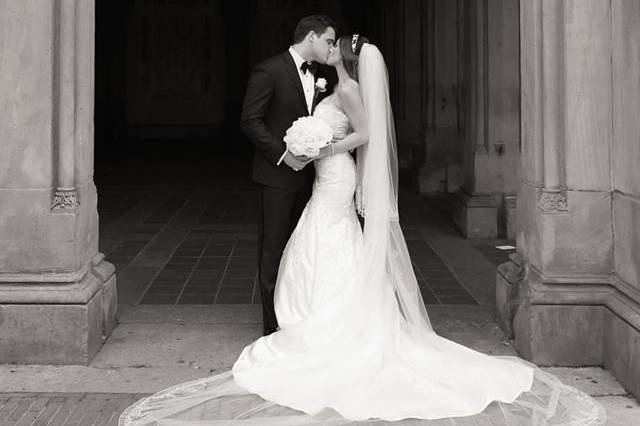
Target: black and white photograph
[(319, 212)]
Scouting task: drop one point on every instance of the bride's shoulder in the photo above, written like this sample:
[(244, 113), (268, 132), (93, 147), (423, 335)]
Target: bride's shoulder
[(348, 89)]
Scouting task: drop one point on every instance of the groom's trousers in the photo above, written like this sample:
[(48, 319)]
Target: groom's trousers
[(280, 209)]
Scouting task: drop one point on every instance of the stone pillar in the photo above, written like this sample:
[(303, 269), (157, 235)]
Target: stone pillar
[(409, 81), (57, 294), (491, 152), (621, 336), (442, 114), (579, 202), (399, 32)]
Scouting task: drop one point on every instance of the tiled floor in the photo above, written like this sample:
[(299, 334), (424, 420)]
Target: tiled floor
[(185, 227), (208, 267)]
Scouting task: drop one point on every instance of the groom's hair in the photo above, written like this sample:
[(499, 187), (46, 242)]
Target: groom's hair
[(316, 23)]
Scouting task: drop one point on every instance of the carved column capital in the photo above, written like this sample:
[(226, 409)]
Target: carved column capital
[(65, 199), (552, 201)]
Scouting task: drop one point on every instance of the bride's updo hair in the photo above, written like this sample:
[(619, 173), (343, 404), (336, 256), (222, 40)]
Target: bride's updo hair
[(350, 47)]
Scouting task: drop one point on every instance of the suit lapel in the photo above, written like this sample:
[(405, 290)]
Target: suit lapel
[(290, 66), (317, 97)]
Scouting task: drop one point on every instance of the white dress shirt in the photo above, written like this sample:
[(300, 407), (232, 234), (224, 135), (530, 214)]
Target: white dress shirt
[(308, 85), (307, 79)]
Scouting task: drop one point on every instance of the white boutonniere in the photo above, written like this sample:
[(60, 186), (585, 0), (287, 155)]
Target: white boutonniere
[(321, 85)]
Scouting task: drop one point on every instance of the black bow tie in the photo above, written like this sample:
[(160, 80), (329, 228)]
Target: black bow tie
[(309, 66)]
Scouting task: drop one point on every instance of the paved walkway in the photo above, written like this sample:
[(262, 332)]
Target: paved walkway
[(183, 239), (63, 408)]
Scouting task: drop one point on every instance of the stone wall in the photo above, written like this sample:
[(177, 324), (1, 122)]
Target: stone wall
[(485, 206), (578, 207), (625, 25), (626, 140), (442, 57), (57, 295)]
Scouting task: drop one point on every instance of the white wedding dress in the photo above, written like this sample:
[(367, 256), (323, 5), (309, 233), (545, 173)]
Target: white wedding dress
[(344, 351), (337, 350), (355, 342)]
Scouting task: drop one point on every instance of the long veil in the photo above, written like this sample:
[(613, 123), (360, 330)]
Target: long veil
[(391, 337), (386, 253)]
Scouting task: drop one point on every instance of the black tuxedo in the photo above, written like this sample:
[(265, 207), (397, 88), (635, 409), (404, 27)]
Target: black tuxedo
[(273, 101)]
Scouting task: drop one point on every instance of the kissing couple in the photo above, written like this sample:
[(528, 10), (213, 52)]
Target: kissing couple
[(347, 336)]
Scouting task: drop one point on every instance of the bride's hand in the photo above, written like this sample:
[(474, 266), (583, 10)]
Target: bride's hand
[(324, 152)]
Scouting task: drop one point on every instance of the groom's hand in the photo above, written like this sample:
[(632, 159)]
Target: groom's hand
[(296, 162)]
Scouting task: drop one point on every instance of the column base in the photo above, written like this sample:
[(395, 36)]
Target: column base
[(510, 202), (475, 215), (551, 335), (509, 283), (55, 321), (579, 321)]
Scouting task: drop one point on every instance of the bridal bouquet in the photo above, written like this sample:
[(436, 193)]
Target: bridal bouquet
[(307, 135)]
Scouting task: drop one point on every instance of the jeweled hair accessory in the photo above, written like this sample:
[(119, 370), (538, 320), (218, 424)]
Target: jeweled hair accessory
[(354, 42)]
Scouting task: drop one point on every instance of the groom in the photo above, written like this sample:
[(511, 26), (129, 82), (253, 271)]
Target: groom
[(280, 90)]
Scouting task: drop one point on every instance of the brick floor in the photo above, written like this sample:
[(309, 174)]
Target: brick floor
[(57, 409), (96, 409)]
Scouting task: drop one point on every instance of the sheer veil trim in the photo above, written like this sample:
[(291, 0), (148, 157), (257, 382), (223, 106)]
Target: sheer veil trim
[(377, 194), (218, 401)]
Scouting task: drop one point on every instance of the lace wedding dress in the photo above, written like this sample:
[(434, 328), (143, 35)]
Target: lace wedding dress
[(349, 350)]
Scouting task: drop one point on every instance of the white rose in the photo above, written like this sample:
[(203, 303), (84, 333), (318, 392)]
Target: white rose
[(321, 84)]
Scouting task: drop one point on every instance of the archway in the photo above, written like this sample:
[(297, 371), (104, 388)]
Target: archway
[(65, 274), (170, 79)]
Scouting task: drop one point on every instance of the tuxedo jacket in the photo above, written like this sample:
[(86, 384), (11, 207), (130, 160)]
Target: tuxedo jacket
[(273, 101)]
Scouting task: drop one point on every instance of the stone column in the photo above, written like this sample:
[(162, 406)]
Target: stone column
[(490, 159), (442, 114), (410, 67), (57, 294), (408, 84), (578, 208), (402, 30), (621, 336)]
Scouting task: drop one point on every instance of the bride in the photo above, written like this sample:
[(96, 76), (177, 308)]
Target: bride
[(355, 342)]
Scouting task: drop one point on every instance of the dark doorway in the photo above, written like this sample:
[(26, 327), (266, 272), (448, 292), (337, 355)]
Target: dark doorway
[(177, 69), (170, 75), (171, 164)]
